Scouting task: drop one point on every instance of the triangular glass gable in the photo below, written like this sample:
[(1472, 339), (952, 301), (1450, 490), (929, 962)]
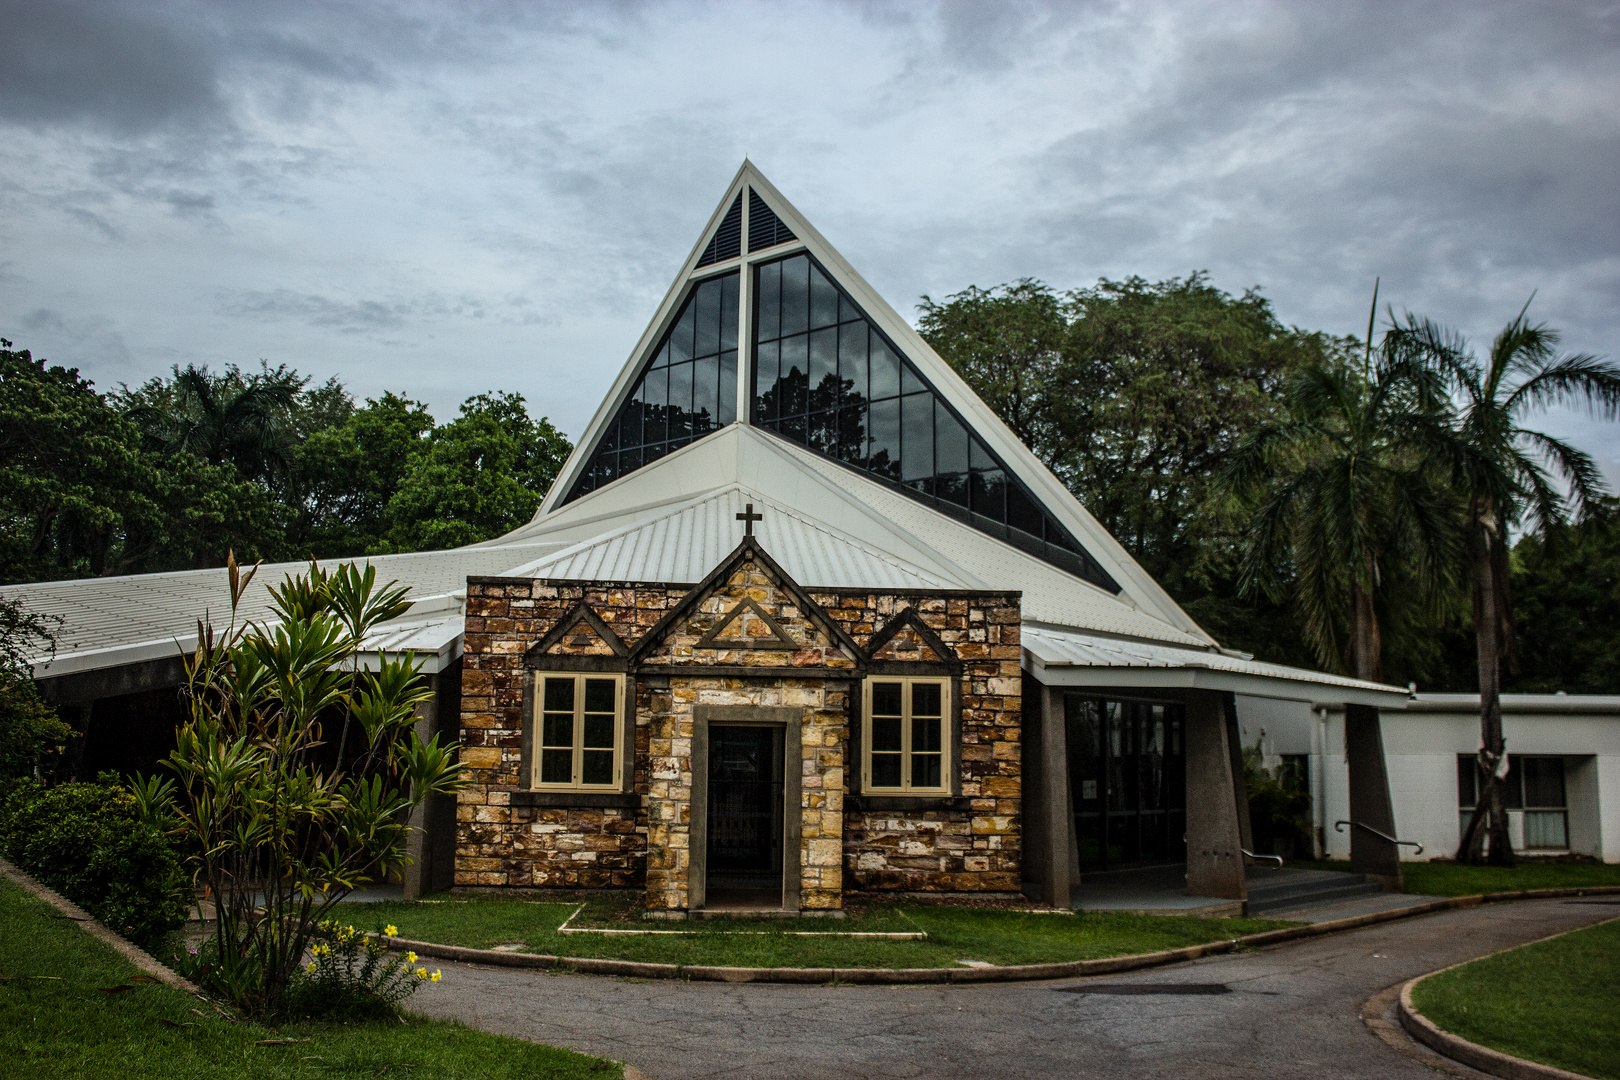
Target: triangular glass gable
[(765, 229), (727, 241), (687, 388), (827, 378)]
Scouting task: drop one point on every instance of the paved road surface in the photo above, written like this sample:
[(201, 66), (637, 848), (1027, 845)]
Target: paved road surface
[(1289, 1011)]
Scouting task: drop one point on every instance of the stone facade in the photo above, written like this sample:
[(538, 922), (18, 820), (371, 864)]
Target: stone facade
[(748, 638)]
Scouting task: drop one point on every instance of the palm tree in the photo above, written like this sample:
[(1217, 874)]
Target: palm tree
[(224, 418), (1503, 469), (1347, 503)]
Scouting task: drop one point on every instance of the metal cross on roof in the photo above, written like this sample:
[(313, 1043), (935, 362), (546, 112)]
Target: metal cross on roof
[(748, 517)]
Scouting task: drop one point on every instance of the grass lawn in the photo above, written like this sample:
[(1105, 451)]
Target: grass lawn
[(1451, 879), (55, 1021), (1554, 1002), (954, 933)]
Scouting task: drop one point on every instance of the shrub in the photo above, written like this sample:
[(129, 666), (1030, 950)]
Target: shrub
[(353, 977), (89, 843)]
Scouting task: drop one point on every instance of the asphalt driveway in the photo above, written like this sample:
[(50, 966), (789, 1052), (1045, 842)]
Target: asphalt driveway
[(1286, 1011)]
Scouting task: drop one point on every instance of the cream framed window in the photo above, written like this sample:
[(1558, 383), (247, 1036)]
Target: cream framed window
[(906, 733), (577, 739)]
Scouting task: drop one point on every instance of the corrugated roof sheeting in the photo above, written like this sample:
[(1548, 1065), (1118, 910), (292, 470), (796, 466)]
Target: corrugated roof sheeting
[(1066, 647), (687, 542)]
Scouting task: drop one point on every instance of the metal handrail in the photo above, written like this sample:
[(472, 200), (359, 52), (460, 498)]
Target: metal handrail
[(1338, 826), (1252, 855)]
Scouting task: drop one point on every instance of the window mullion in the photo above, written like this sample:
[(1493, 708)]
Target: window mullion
[(905, 735), (579, 730)]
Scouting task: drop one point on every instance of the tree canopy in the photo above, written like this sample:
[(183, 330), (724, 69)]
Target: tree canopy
[(179, 471)]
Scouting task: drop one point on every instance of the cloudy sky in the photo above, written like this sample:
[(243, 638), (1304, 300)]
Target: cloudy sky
[(444, 199)]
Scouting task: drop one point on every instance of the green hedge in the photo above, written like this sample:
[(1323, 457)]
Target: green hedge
[(87, 841)]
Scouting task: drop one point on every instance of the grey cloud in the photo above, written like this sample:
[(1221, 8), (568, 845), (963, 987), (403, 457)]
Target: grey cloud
[(112, 65), (350, 316)]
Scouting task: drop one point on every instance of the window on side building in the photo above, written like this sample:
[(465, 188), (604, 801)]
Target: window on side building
[(577, 732), (906, 735)]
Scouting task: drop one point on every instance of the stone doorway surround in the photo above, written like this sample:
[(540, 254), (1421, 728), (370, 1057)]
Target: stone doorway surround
[(789, 717)]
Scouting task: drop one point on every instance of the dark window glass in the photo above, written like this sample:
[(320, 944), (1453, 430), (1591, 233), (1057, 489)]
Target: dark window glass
[(916, 437), (925, 701), (1467, 781), (1543, 781), (557, 766), (795, 295), (597, 767), (598, 699), (885, 700), (925, 768), (687, 390), (886, 767), (846, 393), (559, 696)]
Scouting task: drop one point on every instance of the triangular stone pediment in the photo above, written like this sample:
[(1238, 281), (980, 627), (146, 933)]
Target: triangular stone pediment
[(581, 632), (907, 639), (747, 612)]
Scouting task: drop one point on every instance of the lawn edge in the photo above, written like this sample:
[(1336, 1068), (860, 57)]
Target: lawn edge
[(1066, 969), (1472, 1054), (107, 936)]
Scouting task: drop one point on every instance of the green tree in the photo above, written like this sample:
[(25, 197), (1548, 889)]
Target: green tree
[(225, 417), (1350, 511), (31, 734), (481, 475), (1566, 602), (1506, 471)]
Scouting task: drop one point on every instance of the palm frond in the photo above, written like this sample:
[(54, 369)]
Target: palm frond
[(1571, 382)]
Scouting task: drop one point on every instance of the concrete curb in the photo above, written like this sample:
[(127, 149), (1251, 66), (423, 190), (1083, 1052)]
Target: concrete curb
[(121, 945), (1472, 1054), (1013, 973)]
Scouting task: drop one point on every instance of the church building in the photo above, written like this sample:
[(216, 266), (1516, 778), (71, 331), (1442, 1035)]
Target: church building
[(800, 618)]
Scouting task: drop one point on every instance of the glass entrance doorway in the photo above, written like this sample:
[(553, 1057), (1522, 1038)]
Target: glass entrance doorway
[(1128, 781), (745, 814)]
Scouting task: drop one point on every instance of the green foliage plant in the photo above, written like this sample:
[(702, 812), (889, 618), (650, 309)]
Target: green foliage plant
[(283, 833), (353, 975), (90, 842), (1506, 473), (1279, 806), (32, 736)]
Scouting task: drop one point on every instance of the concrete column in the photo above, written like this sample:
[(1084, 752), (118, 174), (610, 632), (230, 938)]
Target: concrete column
[(431, 843), (1240, 789), (1056, 808), (1369, 798), (1214, 829)]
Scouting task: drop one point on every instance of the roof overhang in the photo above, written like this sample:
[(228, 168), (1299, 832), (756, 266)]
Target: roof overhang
[(1062, 657)]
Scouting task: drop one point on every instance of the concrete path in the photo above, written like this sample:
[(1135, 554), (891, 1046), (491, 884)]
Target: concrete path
[(1287, 1011)]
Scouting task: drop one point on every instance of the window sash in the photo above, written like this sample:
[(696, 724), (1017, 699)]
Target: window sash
[(906, 745), (577, 734)]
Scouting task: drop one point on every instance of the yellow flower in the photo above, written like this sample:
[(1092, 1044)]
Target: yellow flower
[(421, 973), (391, 930), (311, 967), (437, 975), (410, 958)]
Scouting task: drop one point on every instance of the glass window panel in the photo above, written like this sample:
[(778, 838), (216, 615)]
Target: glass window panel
[(705, 395), (916, 437), (629, 460), (990, 494), (852, 359), (885, 733), (910, 381), (610, 438), (557, 766), (1513, 796), (925, 734), (1546, 829), (770, 301), (925, 701), (885, 370), (795, 295), (630, 422), (824, 369), (680, 336), (598, 731), (950, 441), (726, 408), (980, 457), (884, 456), (792, 427), (597, 768), (952, 487), (823, 432), (886, 770), (708, 319), (728, 312), (1467, 768), (767, 394), (652, 451), (655, 395), (925, 771), (558, 730), (795, 373), (680, 401), (559, 695), (852, 435), (1543, 781), (1022, 513), (847, 309), (823, 300), (598, 696), (661, 357), (886, 698)]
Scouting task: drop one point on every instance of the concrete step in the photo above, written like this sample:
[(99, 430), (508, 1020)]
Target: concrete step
[(1294, 889)]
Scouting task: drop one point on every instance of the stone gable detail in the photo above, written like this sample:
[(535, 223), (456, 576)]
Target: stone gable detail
[(720, 645)]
